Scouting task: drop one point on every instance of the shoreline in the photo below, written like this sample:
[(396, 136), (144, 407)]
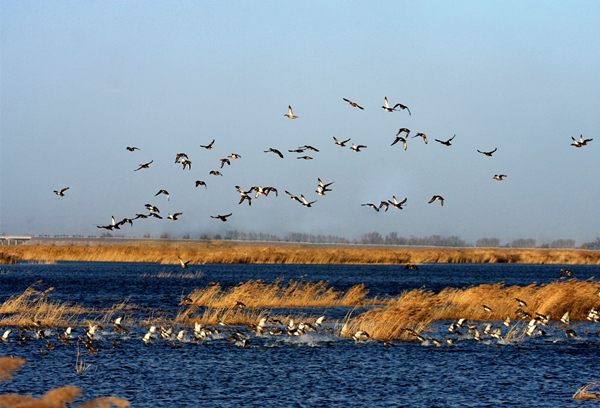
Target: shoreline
[(201, 252)]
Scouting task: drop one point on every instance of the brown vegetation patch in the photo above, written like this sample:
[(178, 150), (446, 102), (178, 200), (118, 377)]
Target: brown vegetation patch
[(256, 293), (417, 308), (586, 392), (56, 398), (229, 252)]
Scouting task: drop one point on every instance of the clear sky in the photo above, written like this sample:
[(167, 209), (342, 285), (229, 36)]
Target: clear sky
[(81, 81)]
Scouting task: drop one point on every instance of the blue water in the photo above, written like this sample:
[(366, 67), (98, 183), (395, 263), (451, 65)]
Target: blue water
[(313, 370)]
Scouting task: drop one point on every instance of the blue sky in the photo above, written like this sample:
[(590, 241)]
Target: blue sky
[(80, 81)]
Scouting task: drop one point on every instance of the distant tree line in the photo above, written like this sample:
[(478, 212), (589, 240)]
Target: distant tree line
[(375, 238)]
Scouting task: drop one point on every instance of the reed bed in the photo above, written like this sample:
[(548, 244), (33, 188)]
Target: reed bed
[(388, 318), (256, 293), (35, 306), (6, 258), (417, 308), (229, 252)]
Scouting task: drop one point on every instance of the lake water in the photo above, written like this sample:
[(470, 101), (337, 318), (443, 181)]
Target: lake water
[(312, 370)]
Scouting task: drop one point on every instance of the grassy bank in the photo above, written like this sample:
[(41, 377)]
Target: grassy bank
[(229, 252)]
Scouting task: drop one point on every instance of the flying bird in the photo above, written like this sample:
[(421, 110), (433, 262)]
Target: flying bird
[(234, 156), (306, 203), (309, 147), (341, 144), (581, 142), (200, 183), (387, 108), (215, 173), (499, 177), (437, 197), (566, 272), (396, 203), (61, 193), (403, 130), (423, 135), (244, 195), (208, 146), (488, 153), (322, 187), (293, 197), (353, 104), (174, 216), (180, 156), (290, 114), (152, 208), (225, 162), (447, 142), (145, 166), (222, 217), (373, 206), (131, 149), (522, 303), (399, 139), (304, 157), (187, 163), (277, 152), (357, 148), (165, 192)]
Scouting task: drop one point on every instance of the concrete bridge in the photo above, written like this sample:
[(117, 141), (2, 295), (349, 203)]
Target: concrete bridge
[(13, 240)]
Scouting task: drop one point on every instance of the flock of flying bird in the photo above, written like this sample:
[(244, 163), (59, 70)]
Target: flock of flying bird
[(322, 188)]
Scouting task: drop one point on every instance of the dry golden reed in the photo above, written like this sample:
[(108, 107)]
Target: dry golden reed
[(230, 252), (417, 308), (8, 366), (35, 306), (256, 293), (585, 392), (59, 398), (56, 398)]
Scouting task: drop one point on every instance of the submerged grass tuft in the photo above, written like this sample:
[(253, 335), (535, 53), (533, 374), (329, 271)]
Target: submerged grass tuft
[(585, 392)]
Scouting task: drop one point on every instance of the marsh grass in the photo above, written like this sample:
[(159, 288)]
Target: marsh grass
[(585, 392), (382, 318), (34, 305), (417, 309), (6, 258), (258, 294), (229, 252)]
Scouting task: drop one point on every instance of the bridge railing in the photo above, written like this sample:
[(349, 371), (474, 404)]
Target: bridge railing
[(13, 240)]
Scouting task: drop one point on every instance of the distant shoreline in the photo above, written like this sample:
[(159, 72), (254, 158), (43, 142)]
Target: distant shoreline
[(200, 252)]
